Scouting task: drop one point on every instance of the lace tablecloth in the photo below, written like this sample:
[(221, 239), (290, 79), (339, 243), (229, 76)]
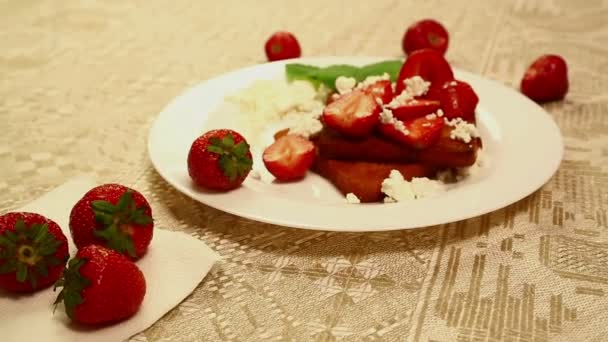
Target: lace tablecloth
[(81, 82)]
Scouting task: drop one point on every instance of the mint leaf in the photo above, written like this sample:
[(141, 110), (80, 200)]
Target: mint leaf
[(327, 75)]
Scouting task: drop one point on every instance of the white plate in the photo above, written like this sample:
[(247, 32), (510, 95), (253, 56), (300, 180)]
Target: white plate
[(522, 142)]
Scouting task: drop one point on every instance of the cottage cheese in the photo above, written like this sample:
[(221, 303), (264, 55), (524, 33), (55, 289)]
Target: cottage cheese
[(462, 130), (397, 189), (387, 117), (345, 84), (414, 86), (373, 79), (352, 198)]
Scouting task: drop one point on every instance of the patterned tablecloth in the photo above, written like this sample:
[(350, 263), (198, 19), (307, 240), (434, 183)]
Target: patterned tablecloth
[(82, 81)]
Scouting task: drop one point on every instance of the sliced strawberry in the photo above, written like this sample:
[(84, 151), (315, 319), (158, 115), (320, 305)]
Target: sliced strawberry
[(415, 108), (353, 114), (382, 90), (289, 157), (420, 133), (426, 63), (458, 100)]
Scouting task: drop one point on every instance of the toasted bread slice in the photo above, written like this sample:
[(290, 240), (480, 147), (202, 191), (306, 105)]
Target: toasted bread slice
[(364, 179), (446, 152)]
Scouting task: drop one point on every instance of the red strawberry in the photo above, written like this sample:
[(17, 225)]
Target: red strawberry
[(33, 252), (546, 79), (382, 90), (282, 45), (419, 133), (354, 114), (415, 109), (428, 64), (458, 100), (101, 286), (114, 216), (289, 157), (425, 34), (219, 160)]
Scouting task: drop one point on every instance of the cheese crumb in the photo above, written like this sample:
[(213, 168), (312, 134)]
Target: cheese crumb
[(345, 84), (369, 80), (352, 198), (397, 189), (439, 113), (387, 117), (462, 130), (414, 86), (431, 116)]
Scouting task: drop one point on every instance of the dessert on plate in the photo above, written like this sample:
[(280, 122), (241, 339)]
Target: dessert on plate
[(385, 132)]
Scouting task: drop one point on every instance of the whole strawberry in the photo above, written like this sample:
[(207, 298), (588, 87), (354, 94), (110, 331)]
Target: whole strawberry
[(219, 160), (33, 252), (282, 45), (101, 286), (546, 79), (425, 34), (114, 216)]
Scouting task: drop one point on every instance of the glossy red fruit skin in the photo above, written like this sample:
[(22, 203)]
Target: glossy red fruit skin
[(282, 45), (117, 288), (381, 89), (415, 109), (83, 223), (295, 165), (428, 64), (203, 166), (420, 136), (425, 34), (458, 100), (546, 79), (8, 280)]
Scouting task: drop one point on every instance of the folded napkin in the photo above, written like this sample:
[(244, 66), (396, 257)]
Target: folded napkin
[(174, 265)]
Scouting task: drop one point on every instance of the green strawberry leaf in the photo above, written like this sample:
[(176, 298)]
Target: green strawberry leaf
[(117, 240), (21, 272), (215, 149), (103, 206), (72, 284)]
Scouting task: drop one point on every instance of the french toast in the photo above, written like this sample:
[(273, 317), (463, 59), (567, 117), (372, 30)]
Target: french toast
[(446, 152), (364, 179)]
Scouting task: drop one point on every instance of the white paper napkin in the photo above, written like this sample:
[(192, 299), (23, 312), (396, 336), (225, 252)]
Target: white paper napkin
[(174, 265)]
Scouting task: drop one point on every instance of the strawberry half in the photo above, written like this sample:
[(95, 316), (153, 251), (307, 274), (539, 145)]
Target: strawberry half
[(419, 133), (458, 100), (289, 157), (415, 108), (101, 286), (219, 160), (33, 252), (426, 63), (114, 216), (546, 79), (354, 114), (382, 90)]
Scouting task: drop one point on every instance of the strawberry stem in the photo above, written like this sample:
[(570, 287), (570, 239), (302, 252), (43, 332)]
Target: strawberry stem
[(28, 251), (234, 159), (116, 221), (72, 284)]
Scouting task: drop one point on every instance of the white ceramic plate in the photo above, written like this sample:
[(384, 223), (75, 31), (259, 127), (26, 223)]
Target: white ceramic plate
[(522, 145)]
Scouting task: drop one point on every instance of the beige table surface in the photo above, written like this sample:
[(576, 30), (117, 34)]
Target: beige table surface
[(82, 81)]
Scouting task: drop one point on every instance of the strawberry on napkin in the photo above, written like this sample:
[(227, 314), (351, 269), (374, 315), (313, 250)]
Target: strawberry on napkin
[(173, 267)]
